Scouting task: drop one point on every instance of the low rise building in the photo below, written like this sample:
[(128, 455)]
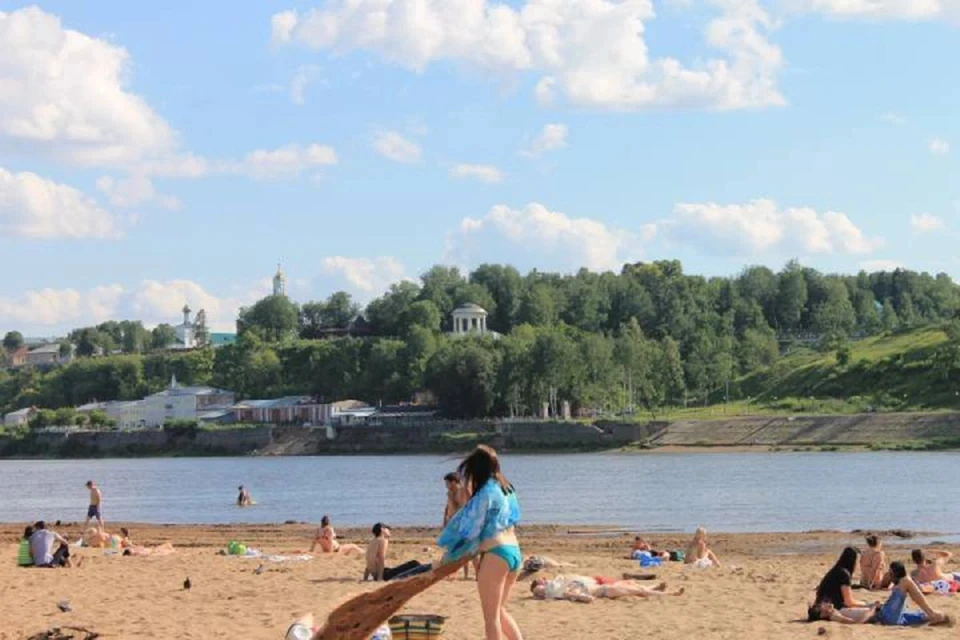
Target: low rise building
[(49, 354), (17, 357), (19, 418), (300, 410), (183, 403)]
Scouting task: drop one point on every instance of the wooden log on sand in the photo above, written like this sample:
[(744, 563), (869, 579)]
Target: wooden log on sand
[(359, 617)]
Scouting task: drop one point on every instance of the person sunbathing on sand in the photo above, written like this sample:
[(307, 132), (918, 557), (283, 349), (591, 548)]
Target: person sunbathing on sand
[(327, 539), (587, 589), (873, 563), (930, 570), (892, 613), (641, 546), (698, 553)]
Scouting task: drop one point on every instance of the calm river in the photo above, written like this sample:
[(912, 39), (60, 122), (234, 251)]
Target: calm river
[(731, 492)]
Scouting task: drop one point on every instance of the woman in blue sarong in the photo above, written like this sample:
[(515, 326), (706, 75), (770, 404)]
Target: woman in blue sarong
[(485, 527)]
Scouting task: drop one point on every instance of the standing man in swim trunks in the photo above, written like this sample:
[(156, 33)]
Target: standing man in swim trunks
[(93, 511)]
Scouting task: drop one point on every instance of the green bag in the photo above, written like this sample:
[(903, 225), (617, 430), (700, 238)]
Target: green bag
[(417, 627)]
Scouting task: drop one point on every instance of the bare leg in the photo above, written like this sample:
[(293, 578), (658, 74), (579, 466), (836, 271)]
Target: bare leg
[(511, 630), (348, 549), (491, 580), (713, 558), (908, 585)]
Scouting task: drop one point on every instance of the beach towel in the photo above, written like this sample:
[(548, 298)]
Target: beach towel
[(359, 617), (648, 560)]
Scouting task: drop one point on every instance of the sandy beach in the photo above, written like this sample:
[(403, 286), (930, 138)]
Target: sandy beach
[(759, 593)]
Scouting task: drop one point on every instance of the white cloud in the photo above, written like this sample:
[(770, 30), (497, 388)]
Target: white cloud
[(893, 118), (939, 146), (551, 138), (34, 207), (924, 223), (151, 301), (393, 146), (549, 238), (592, 52), (285, 162), (880, 265), (481, 172), (301, 79), (65, 94), (367, 277), (884, 9), (133, 191), (762, 227)]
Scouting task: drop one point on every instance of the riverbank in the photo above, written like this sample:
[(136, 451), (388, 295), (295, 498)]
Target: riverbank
[(759, 593), (875, 431)]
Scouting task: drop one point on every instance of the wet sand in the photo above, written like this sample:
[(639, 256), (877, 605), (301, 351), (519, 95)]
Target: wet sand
[(759, 593)]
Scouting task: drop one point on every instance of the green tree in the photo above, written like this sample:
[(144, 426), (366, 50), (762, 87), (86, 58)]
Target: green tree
[(65, 416), (888, 318), (386, 313), (338, 311), (274, 318), (424, 314), (835, 315), (13, 340), (463, 374), (791, 297), (163, 336), (98, 419), (671, 370), (505, 285), (538, 307)]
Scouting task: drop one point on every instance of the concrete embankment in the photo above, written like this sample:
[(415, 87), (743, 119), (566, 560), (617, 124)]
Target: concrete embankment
[(937, 430)]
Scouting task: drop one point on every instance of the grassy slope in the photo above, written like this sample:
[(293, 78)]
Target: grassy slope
[(886, 373)]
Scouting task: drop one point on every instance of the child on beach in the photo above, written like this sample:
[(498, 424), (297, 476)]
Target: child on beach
[(485, 527)]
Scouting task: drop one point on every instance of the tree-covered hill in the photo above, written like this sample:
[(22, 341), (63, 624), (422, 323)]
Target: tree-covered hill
[(647, 339)]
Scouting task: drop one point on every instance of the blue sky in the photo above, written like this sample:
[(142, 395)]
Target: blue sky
[(154, 155)]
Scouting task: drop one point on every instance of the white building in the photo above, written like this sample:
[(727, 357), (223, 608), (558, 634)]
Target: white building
[(471, 319), (186, 333), (279, 283), (127, 414), (19, 418), (183, 403)]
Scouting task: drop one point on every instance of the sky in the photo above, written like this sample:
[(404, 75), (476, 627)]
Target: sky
[(156, 154)]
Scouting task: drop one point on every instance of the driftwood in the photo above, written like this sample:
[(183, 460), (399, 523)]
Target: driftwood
[(66, 633), (360, 617)]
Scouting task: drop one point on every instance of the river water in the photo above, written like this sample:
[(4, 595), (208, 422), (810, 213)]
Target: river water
[(730, 492)]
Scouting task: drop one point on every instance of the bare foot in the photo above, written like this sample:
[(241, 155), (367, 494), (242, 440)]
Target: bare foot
[(679, 592), (661, 587)]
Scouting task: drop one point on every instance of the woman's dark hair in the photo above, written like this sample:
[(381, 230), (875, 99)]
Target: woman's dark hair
[(898, 571), (847, 562), (480, 466), (28, 532), (917, 556), (848, 559), (813, 612), (872, 541), (325, 521), (123, 530), (453, 476)]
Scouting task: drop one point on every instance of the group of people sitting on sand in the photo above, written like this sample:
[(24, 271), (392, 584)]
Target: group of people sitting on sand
[(698, 553), (43, 547), (835, 601)]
